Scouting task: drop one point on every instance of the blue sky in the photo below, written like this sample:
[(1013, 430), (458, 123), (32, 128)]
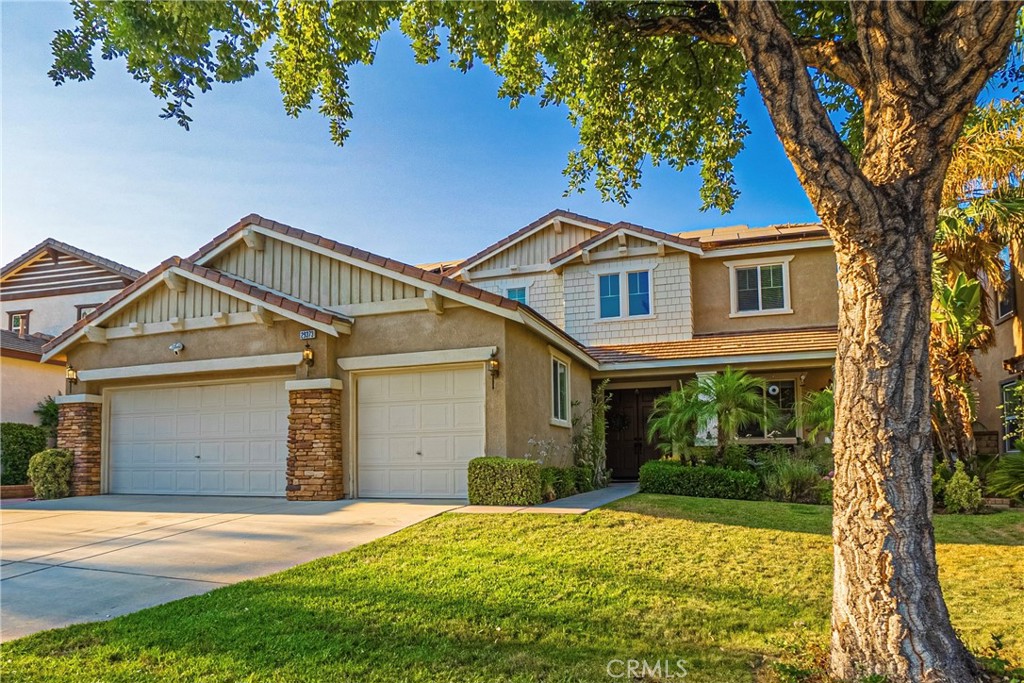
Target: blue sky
[(436, 167)]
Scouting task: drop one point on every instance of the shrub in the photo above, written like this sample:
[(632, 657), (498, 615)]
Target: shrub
[(49, 415), (565, 482), (963, 494), (697, 455), (738, 457), (18, 443), (791, 480), (664, 476), (548, 476), (1007, 479), (821, 455), (584, 478), (50, 472), (504, 481)]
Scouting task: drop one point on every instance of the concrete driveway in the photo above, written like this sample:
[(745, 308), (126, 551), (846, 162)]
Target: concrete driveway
[(94, 558)]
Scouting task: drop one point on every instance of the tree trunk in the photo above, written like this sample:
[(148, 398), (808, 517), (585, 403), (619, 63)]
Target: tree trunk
[(888, 613)]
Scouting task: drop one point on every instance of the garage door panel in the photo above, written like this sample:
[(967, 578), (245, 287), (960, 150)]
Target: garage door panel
[(417, 430), (201, 439)]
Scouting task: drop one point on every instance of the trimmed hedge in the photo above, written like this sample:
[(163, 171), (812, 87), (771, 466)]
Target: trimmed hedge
[(504, 481), (674, 478), (18, 443), (50, 472)]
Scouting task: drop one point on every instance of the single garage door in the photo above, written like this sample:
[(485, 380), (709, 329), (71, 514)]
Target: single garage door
[(214, 439), (417, 430)]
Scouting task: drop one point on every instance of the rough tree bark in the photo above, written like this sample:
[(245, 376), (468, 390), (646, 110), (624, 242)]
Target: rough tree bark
[(917, 85)]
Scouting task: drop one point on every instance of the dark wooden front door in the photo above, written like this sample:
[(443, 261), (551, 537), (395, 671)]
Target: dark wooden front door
[(628, 448)]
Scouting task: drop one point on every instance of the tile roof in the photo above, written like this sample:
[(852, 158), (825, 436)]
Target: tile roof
[(268, 296), (546, 218), (32, 343), (50, 243), (678, 239), (721, 345), (737, 235)]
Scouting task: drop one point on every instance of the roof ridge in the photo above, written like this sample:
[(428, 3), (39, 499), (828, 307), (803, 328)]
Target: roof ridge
[(71, 250)]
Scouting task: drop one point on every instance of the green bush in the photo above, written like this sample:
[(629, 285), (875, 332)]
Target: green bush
[(565, 482), (584, 478), (963, 493), (18, 443), (791, 480), (821, 455), (1007, 479), (548, 476), (665, 476), (697, 455), (50, 472), (504, 481), (738, 457)]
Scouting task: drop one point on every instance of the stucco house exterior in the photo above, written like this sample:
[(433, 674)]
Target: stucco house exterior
[(43, 292), (275, 361)]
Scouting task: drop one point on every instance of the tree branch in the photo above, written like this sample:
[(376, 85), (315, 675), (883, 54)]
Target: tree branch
[(837, 58)]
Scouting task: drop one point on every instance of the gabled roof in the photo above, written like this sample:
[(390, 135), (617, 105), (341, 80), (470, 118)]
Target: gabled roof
[(29, 347), (49, 245), (728, 345), (676, 241), (741, 235), (524, 232), (254, 293)]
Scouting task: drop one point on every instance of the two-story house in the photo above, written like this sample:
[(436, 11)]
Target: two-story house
[(275, 361), (43, 292)]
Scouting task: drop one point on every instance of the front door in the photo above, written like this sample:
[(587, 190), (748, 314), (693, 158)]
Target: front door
[(628, 448)]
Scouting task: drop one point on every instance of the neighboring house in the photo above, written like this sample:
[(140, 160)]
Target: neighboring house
[(43, 292), (1002, 365), (278, 362)]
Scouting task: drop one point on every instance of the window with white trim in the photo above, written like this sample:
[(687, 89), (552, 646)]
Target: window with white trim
[(559, 392), (17, 322), (760, 286), (516, 294), (782, 394), (635, 288)]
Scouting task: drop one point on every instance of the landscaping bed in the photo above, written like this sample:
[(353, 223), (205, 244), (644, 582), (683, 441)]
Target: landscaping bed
[(729, 586)]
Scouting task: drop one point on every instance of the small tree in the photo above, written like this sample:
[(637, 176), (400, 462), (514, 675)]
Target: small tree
[(817, 413), (725, 402), (589, 429)]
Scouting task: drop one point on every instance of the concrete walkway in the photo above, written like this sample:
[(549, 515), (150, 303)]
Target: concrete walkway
[(579, 504), (98, 557)]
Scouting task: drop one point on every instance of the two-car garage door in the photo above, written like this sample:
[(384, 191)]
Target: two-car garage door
[(417, 431), (211, 439)]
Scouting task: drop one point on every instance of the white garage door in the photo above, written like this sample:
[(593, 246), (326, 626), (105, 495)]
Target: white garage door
[(215, 439), (417, 430)]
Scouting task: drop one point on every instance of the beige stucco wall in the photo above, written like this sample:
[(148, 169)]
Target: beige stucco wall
[(53, 314), (993, 375), (813, 290), (23, 384)]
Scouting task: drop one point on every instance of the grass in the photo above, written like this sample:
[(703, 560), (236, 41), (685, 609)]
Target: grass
[(725, 585)]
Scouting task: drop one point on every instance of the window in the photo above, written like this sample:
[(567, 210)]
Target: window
[(637, 294), (85, 309), (1004, 297), (516, 294), (760, 286), (1011, 410), (609, 296), (17, 322), (559, 392), (782, 393)]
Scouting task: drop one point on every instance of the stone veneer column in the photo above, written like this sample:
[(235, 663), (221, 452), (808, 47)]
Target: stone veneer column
[(79, 430), (314, 440)]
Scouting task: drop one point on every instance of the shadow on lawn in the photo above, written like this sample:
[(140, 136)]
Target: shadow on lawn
[(1004, 528)]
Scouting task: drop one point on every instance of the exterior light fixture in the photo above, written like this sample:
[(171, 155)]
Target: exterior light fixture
[(493, 368), (70, 376), (307, 356)]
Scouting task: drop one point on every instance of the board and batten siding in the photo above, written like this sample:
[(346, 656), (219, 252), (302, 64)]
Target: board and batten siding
[(537, 249), (312, 277), (671, 298), (162, 304), (45, 276)]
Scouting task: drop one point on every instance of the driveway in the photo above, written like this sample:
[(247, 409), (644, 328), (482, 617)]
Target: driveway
[(98, 557)]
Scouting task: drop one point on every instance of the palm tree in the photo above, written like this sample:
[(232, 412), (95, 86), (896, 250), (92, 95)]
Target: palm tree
[(729, 400), (817, 413)]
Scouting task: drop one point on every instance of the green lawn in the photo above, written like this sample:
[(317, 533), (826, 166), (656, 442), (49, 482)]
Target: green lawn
[(724, 585)]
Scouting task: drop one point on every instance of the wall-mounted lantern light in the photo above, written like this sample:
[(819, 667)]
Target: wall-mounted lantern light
[(493, 368), (307, 356), (71, 377)]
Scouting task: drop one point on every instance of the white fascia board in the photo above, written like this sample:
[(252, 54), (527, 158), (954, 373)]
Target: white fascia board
[(769, 248), (306, 384), (490, 255), (78, 398), (408, 360), (718, 360), (632, 233), (188, 367)]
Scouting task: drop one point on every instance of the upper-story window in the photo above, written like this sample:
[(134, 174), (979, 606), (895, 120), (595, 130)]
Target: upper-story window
[(637, 294), (760, 286), (85, 309), (17, 322), (1004, 297), (516, 294)]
